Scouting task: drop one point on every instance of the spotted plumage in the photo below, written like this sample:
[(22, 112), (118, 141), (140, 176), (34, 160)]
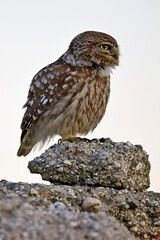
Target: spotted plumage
[(69, 97)]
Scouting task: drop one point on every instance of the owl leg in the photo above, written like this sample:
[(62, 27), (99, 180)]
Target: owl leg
[(71, 138)]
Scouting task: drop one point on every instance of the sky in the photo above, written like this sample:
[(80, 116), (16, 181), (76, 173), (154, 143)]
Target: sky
[(34, 33)]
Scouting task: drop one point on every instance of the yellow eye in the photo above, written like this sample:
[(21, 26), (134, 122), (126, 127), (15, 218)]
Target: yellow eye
[(104, 47)]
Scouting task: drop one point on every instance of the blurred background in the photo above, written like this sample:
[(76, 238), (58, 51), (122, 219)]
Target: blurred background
[(35, 33)]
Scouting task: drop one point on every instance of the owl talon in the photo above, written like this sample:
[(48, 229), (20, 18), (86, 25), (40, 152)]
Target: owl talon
[(73, 139)]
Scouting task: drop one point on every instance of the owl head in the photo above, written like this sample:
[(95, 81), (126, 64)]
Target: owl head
[(93, 49)]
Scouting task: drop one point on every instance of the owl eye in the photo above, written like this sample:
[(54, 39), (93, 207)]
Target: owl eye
[(104, 47)]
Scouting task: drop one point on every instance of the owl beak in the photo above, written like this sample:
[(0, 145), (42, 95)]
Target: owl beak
[(116, 56)]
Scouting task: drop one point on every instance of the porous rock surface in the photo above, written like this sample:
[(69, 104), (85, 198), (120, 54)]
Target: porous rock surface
[(96, 162), (138, 211), (26, 217), (100, 177)]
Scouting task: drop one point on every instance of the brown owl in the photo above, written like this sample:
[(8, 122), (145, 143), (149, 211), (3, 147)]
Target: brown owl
[(69, 97)]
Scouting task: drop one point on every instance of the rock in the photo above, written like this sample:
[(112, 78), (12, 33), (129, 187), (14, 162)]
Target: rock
[(90, 179), (134, 229), (33, 218), (157, 223), (91, 204), (33, 191), (95, 163), (131, 208), (59, 205)]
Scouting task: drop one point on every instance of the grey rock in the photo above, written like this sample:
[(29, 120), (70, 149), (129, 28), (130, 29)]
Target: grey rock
[(96, 162), (33, 218), (86, 175), (129, 207), (59, 205), (91, 204), (134, 229), (157, 223), (33, 191)]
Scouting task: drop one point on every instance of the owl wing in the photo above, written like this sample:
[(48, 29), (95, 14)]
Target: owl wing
[(48, 86)]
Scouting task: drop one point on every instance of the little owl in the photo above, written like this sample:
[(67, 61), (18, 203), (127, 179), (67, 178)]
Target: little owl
[(70, 96)]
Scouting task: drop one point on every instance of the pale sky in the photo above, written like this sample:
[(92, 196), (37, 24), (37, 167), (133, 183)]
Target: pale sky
[(34, 33)]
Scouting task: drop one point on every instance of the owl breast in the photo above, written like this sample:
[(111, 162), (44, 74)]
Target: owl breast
[(86, 108)]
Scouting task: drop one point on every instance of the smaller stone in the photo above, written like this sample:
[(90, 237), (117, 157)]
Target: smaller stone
[(134, 229), (143, 216), (154, 203), (25, 235), (59, 205), (145, 236), (10, 185), (67, 162), (88, 181), (61, 228), (73, 224), (60, 169), (142, 223), (129, 144), (92, 205), (53, 162), (132, 203), (139, 166), (122, 204), (157, 223), (151, 203), (139, 146), (33, 192)]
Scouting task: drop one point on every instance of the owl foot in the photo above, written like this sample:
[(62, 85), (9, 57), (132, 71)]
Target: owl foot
[(73, 139)]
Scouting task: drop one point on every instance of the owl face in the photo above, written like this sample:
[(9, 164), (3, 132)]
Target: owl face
[(93, 49)]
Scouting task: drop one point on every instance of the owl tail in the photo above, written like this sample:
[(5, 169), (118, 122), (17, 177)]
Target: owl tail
[(24, 150), (26, 145)]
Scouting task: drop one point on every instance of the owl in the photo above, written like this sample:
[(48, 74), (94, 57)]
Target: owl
[(69, 96)]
